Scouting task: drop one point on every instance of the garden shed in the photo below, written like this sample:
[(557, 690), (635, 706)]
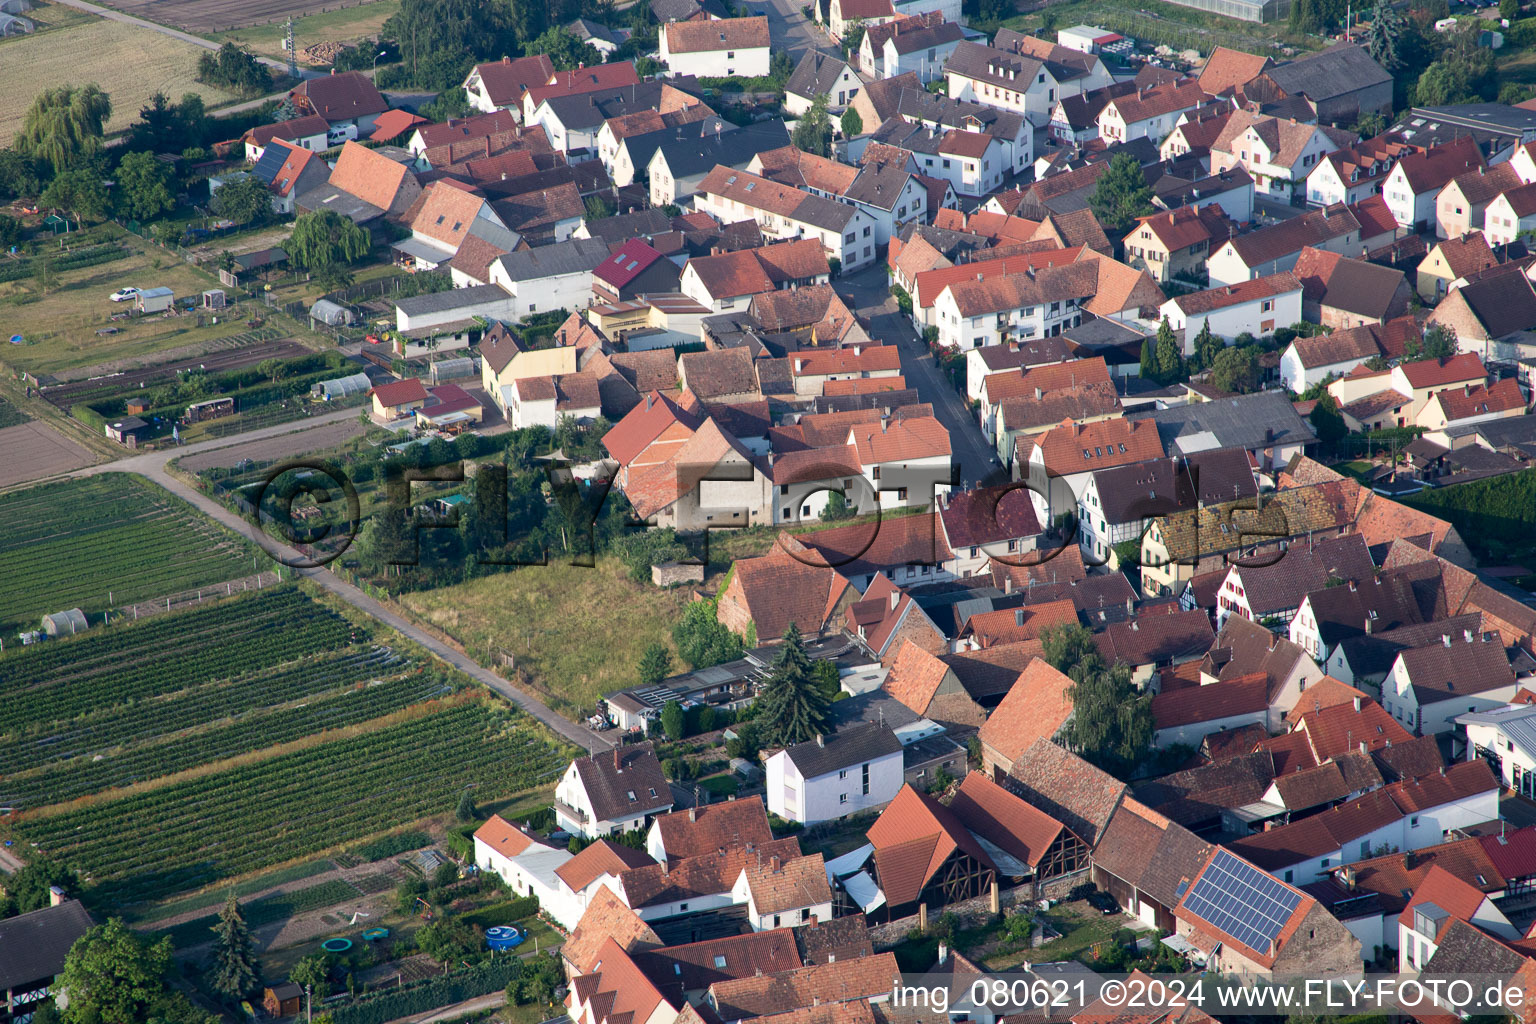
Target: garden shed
[(154, 300), (65, 623)]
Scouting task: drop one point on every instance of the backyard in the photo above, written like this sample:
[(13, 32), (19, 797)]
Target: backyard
[(130, 63), (1181, 28), (59, 323)]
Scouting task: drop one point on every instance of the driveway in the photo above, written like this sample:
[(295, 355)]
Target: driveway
[(869, 293)]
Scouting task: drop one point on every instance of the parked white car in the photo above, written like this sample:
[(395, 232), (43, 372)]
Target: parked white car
[(124, 295)]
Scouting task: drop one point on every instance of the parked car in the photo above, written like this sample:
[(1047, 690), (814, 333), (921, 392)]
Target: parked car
[(124, 295)]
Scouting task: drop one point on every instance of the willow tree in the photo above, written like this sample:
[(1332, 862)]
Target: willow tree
[(63, 128)]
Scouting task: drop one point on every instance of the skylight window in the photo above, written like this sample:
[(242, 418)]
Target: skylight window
[(720, 960)]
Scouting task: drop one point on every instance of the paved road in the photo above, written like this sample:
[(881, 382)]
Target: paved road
[(872, 300), (153, 466), (790, 30)]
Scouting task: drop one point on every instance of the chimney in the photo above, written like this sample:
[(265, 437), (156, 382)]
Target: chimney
[(1445, 639), (693, 814), (1039, 393), (618, 763), (1467, 633), (56, 895), (505, 59), (1367, 633), (774, 864), (821, 741), (1007, 584), (895, 599), (1351, 586), (649, 399), (1130, 606), (1274, 638), (1018, 616), (1347, 876), (943, 952)]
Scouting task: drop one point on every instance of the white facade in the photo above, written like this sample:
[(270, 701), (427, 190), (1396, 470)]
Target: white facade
[(532, 873), (1035, 99), (1113, 127), (853, 245), (860, 787), (1502, 225), (842, 92), (1271, 177), (1298, 377), (571, 793), (964, 333), (1258, 316), (561, 291), (1504, 735), (1414, 948), (1398, 698), (1325, 187), (1192, 733), (748, 62), (763, 920), (1408, 207)]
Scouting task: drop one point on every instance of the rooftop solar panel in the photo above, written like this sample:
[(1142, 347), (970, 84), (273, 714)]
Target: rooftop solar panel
[(1241, 901), (272, 159)]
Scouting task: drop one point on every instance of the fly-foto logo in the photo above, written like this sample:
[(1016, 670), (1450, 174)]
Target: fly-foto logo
[(314, 506)]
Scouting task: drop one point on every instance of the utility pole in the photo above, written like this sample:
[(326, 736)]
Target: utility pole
[(309, 1010)]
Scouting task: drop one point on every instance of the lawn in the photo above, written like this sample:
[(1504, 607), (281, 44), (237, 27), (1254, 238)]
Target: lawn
[(130, 63), (348, 25), (60, 327), (1171, 25), (51, 16), (1081, 927), (576, 632)]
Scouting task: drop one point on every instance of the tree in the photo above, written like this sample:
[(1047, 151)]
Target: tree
[(245, 201), (1169, 360), (1236, 369), (702, 640), (1111, 726), (655, 664), (448, 940), (1149, 359), (446, 874), (1384, 39), (235, 972), (1443, 82), (1509, 9), (29, 889), (1439, 342), (597, 206), (1327, 422), (324, 239), (1207, 346), (313, 973), (1121, 195), (466, 811), (838, 507), (1370, 124), (235, 69), (824, 675), (18, 175), (673, 721), (813, 132), (792, 706), (450, 103), (564, 50), (112, 975), (143, 187), (433, 34), (851, 123), (78, 192), (63, 127)]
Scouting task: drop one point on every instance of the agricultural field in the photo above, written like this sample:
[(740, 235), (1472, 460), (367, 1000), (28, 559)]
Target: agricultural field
[(129, 62), (546, 616), (103, 541), (10, 416), (207, 17), (49, 17), (348, 25), (224, 823), (58, 324)]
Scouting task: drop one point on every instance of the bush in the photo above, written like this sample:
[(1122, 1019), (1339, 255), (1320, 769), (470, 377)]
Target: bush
[(456, 987), (506, 912)]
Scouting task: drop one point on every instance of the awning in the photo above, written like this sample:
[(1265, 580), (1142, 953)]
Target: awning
[(863, 891), (424, 251), (848, 863)]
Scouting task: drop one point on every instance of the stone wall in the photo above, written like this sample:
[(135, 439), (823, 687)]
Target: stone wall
[(975, 912), (672, 574)]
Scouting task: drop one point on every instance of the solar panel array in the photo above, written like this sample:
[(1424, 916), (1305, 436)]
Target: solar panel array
[(1242, 901)]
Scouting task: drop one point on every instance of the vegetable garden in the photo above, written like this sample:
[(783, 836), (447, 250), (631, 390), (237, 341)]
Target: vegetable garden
[(79, 543)]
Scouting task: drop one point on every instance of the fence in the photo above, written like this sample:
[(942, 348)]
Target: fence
[(191, 597)]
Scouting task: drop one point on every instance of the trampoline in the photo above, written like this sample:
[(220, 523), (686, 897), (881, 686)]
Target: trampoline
[(337, 945)]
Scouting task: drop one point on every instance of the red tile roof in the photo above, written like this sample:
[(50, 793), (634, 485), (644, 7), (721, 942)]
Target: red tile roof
[(1481, 399), (583, 80), (631, 260), (1036, 707), (1003, 819), (506, 80), (603, 857), (1435, 373), (722, 34), (504, 837), (913, 837), (1241, 696), (392, 123), (400, 392), (705, 830)]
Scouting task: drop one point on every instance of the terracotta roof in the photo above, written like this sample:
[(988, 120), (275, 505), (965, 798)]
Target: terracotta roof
[(1157, 636), (1066, 787), (400, 392), (749, 271), (1078, 448), (987, 515), (1341, 346), (777, 887), (1324, 693), (504, 837), (617, 991), (1469, 401), (541, 209), (1157, 101), (992, 813), (989, 295), (506, 80), (854, 1011), (930, 283), (603, 857), (1149, 851), (913, 838), (287, 131), (1394, 877), (340, 97), (704, 830), (1011, 625), (1284, 138), (1513, 853), (901, 541), (781, 588), (582, 80), (624, 783), (288, 175), (1479, 186), (368, 174), (632, 259), (853, 359), (914, 676), (1265, 957), (606, 917), (1051, 377), (756, 192), (1437, 373), (1227, 69), (695, 966), (1036, 707), (1432, 169), (708, 36), (1229, 295), (1354, 286), (1179, 229), (445, 214), (1338, 728), (1241, 696), (392, 123), (808, 986), (1280, 240), (710, 874)]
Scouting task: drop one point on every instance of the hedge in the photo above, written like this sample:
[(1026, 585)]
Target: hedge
[(430, 994), (502, 913), (74, 260)]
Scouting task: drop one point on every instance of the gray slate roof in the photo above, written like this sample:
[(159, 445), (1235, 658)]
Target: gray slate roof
[(453, 298), (568, 257), (1239, 422), (1337, 71), (816, 73), (32, 946), (852, 745), (687, 157)]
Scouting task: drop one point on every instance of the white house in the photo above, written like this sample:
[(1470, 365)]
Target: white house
[(1309, 361), (1256, 307), (527, 865), (1505, 737), (1413, 185), (1428, 687), (1510, 215), (1440, 898), (1006, 80), (549, 277), (499, 85), (1149, 113), (1279, 153), (611, 793), (857, 768), (784, 894), (783, 212), (716, 49), (820, 74), (1014, 307)]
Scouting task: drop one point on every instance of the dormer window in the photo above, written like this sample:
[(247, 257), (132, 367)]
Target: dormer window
[(632, 797)]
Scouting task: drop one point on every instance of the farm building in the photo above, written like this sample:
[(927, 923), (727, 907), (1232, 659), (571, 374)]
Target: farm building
[(65, 623), (11, 25), (341, 387), (154, 300), (402, 398), (330, 314), (129, 430), (258, 262), (32, 951)]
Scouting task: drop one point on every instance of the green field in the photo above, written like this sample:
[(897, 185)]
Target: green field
[(102, 542), (347, 25), (10, 416), (220, 824)]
